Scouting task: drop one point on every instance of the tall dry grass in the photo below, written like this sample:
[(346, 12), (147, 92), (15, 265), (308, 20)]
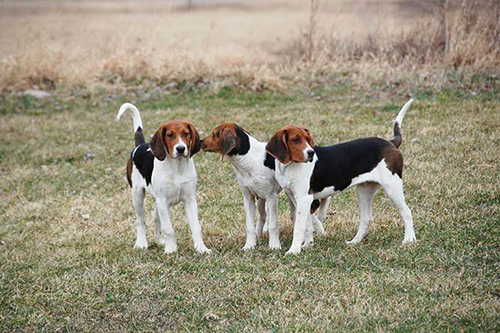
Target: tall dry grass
[(463, 37)]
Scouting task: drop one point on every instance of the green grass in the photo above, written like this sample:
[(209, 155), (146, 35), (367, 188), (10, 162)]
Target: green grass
[(59, 271)]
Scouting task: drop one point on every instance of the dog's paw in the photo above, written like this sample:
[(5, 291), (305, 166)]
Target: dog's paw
[(248, 246), (353, 241), (141, 244), (160, 241), (201, 248), (409, 239), (293, 251), (274, 245), (170, 247)]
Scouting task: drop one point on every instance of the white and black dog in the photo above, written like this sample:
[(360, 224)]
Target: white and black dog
[(164, 168), (307, 172), (254, 169)]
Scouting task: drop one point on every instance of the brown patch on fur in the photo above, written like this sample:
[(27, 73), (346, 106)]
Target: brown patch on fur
[(129, 171), (168, 135), (288, 144), (394, 160), (222, 140)]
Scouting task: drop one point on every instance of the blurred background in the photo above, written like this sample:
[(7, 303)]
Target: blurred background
[(47, 43)]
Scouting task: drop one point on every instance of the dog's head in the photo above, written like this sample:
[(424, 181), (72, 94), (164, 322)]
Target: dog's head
[(291, 144), (176, 138), (226, 139)]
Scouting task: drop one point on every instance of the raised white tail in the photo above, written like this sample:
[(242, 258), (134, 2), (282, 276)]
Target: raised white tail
[(136, 116), (398, 137)]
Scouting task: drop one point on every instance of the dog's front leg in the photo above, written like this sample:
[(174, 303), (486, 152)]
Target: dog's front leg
[(261, 220), (249, 203), (274, 234), (191, 208), (167, 230), (301, 220)]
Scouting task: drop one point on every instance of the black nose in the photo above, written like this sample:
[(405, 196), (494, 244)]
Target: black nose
[(181, 149), (310, 153)]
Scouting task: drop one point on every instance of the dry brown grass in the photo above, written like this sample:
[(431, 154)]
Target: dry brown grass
[(255, 45)]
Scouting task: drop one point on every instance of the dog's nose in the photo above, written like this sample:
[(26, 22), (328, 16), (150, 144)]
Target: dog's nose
[(181, 149), (310, 153)]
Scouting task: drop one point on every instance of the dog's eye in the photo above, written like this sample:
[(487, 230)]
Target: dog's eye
[(170, 135), (296, 140), (218, 133), (185, 134)]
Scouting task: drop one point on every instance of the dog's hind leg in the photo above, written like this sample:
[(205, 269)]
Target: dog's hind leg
[(157, 225), (138, 195), (323, 209), (366, 192), (261, 220), (394, 190)]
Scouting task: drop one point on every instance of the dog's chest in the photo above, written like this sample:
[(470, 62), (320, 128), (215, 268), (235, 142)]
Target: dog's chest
[(174, 183), (294, 176)]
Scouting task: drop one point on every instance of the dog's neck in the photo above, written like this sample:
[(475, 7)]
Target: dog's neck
[(252, 160)]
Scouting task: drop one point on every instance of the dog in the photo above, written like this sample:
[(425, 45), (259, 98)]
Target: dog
[(254, 169), (307, 172), (164, 168)]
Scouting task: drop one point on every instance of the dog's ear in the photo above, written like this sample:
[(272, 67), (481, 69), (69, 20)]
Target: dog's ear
[(227, 141), (309, 138), (157, 144), (278, 146), (195, 143)]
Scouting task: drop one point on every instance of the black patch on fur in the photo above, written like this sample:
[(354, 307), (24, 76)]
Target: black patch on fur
[(144, 161), (242, 143), (337, 165), (270, 162), (139, 137), (398, 137), (314, 206)]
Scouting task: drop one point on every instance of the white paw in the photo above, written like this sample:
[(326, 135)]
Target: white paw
[(355, 240), (248, 246), (170, 247), (201, 248), (293, 251), (274, 245), (308, 243), (141, 244), (409, 239), (160, 240)]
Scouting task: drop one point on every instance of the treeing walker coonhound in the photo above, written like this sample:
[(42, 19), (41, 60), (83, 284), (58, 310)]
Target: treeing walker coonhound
[(307, 172), (164, 168), (254, 169)]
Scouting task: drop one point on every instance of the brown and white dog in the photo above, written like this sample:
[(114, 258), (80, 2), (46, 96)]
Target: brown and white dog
[(254, 169), (164, 168), (307, 172)]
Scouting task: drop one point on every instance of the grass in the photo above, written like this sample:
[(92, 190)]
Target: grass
[(60, 271)]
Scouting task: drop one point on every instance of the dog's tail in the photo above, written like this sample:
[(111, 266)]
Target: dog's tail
[(136, 116), (398, 137)]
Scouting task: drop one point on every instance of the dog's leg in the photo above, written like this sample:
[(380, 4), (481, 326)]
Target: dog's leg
[(157, 225), (293, 209), (261, 220), (309, 235), (394, 190), (323, 209), (366, 192), (191, 208), (317, 225), (138, 195), (302, 215), (249, 203), (274, 234), (167, 230)]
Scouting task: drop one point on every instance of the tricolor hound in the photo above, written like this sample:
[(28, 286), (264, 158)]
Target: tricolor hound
[(254, 169), (308, 173), (164, 168)]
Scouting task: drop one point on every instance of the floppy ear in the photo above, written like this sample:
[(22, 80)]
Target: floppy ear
[(309, 138), (227, 141), (278, 146), (157, 144), (195, 143)]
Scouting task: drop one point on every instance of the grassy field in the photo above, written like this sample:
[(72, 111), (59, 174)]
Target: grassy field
[(64, 157)]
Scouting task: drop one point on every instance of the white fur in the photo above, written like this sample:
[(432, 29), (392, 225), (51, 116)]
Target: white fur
[(135, 115), (402, 112), (173, 180)]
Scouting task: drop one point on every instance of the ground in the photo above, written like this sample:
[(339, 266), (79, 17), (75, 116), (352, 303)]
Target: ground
[(67, 226)]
